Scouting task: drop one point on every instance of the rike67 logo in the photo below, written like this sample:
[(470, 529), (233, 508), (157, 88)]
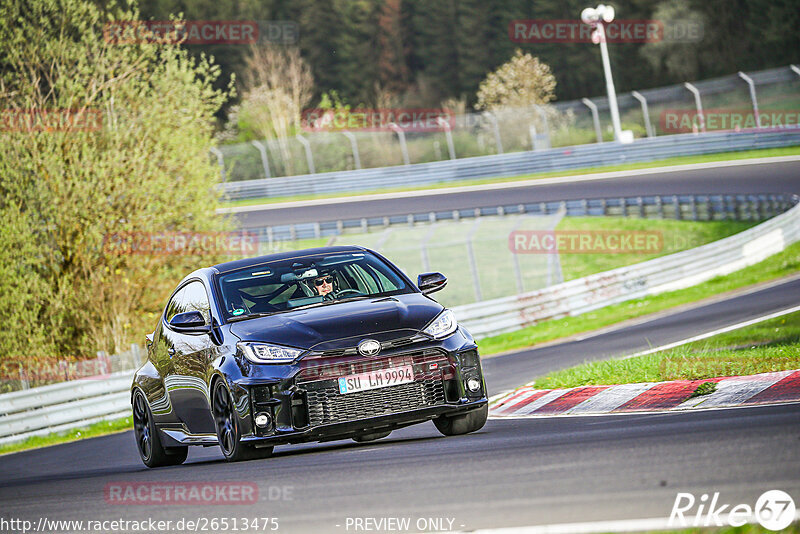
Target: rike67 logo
[(774, 510)]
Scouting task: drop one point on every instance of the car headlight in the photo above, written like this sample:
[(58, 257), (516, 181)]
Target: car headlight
[(444, 325), (264, 353)]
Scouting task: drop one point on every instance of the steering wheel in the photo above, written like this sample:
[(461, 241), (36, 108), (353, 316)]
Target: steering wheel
[(341, 293)]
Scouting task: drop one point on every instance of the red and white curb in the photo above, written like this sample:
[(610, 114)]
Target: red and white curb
[(764, 388)]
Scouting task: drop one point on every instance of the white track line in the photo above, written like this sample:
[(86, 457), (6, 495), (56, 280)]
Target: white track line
[(715, 332), (509, 185)]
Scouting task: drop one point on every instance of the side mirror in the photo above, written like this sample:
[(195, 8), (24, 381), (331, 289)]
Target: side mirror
[(431, 282), (191, 322)]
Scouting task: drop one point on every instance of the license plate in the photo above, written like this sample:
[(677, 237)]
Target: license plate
[(376, 379)]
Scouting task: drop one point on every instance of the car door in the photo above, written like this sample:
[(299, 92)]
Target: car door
[(161, 352), (191, 357)]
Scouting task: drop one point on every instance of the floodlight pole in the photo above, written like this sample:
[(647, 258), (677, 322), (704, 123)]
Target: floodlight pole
[(612, 94), (596, 17)]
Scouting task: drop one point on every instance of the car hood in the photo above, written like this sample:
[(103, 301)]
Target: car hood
[(342, 325)]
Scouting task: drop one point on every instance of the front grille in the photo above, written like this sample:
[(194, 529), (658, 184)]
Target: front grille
[(326, 405)]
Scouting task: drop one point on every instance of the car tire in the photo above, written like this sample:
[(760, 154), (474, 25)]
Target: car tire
[(227, 424), (148, 441), (462, 424), (363, 438)]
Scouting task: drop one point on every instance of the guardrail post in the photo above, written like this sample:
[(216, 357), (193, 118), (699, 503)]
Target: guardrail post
[(515, 261), (497, 141), (354, 148), (23, 380), (698, 104), (449, 135), (264, 159), (659, 207), (677, 207), (309, 155), (693, 204), (595, 118), (220, 160), (647, 126), (401, 136), (753, 98), (473, 265)]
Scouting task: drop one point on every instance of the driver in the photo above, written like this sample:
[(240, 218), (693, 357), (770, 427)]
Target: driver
[(323, 284)]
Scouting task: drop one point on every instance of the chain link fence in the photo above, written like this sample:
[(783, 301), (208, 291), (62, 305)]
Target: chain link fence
[(709, 105), (473, 253)]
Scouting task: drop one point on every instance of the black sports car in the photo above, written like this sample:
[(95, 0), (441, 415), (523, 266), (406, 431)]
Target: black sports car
[(314, 345)]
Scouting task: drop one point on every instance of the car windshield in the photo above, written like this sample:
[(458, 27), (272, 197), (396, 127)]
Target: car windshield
[(308, 281)]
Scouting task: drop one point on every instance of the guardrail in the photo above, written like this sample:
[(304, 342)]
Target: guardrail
[(689, 207), (64, 406), (73, 404), (513, 164), (668, 273)]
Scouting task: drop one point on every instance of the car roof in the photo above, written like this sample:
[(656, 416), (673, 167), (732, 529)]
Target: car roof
[(250, 262)]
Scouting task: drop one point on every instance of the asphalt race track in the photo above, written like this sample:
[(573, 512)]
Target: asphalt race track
[(781, 177), (514, 472), (511, 473)]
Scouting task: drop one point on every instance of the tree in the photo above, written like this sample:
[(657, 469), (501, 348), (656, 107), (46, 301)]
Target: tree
[(278, 85), (521, 82), (682, 59), (131, 156)]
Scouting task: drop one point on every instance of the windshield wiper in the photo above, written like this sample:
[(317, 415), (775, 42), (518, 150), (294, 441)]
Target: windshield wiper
[(251, 316), (329, 302)]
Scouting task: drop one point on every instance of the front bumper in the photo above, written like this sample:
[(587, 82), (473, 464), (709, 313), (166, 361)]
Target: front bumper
[(309, 407)]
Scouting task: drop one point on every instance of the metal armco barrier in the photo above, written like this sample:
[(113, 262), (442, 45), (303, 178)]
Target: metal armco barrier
[(513, 164), (668, 273), (688, 207), (64, 406)]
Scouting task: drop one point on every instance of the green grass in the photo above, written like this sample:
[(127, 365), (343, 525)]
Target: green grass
[(101, 428), (779, 265), (677, 236), (681, 160), (772, 345)]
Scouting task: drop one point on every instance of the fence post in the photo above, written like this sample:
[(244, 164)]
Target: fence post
[(473, 265), (220, 160), (647, 126), (753, 98), (449, 135), (354, 147), (698, 104), (401, 135), (309, 156), (497, 141), (595, 118), (264, 159)]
